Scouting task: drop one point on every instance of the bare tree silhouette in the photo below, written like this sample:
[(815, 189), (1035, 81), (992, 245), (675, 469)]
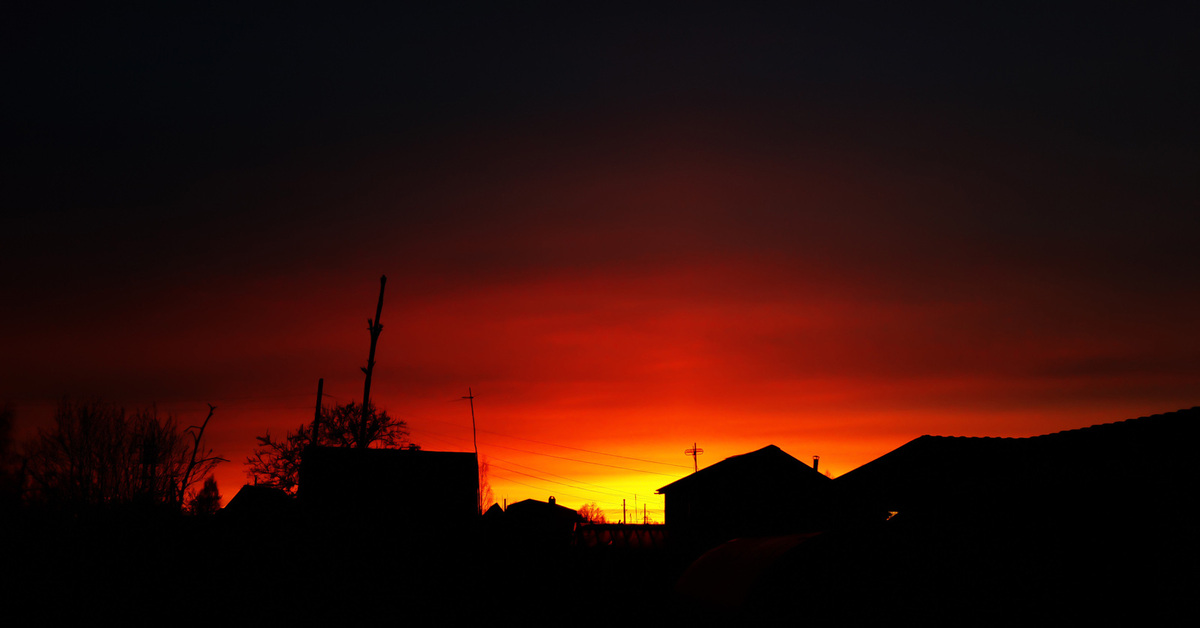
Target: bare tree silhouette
[(486, 497), (592, 513), (276, 462), (98, 454)]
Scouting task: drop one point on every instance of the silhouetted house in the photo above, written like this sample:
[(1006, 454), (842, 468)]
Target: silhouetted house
[(1124, 471), (1005, 522), (403, 489), (935, 476), (1073, 526), (532, 521), (493, 512), (761, 493)]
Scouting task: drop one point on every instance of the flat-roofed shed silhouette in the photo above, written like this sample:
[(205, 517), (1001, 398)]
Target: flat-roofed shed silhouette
[(406, 488)]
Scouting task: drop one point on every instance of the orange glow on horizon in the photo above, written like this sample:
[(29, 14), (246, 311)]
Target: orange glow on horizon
[(631, 296)]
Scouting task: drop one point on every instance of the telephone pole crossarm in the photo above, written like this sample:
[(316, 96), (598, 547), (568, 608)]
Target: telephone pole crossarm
[(693, 452)]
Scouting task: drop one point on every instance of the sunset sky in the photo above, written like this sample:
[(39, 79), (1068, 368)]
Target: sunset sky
[(627, 231)]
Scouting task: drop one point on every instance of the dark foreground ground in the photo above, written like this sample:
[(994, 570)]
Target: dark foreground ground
[(183, 571)]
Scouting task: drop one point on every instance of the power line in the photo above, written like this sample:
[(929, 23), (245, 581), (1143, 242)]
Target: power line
[(607, 489), (590, 451), (586, 499), (612, 466), (490, 465), (602, 464)]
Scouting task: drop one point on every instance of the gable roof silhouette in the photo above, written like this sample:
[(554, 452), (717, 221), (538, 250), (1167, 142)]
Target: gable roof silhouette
[(750, 469), (259, 501), (532, 509), (763, 492), (1137, 461), (538, 524)]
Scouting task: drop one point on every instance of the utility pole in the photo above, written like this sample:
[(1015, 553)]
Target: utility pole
[(374, 327), (693, 452), (316, 428), (471, 398), (475, 442)]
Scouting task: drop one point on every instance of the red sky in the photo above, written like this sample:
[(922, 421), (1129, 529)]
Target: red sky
[(650, 237)]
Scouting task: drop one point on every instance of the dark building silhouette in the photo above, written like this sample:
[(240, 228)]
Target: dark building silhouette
[(761, 493), (1131, 471), (1075, 526), (433, 491), (540, 522)]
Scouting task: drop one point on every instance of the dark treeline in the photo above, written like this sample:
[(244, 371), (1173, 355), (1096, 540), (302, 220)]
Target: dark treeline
[(100, 456), (106, 522), (943, 531), (106, 511)]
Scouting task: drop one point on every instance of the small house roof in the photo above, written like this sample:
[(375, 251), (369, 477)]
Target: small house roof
[(534, 509), (755, 466), (254, 500)]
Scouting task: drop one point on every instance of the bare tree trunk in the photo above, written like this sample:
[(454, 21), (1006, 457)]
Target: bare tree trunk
[(374, 327), (206, 460)]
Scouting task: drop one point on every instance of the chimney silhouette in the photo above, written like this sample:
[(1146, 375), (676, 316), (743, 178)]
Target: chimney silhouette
[(816, 461)]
